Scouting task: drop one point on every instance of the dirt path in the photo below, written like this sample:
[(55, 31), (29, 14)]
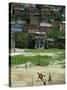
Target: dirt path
[(32, 54)]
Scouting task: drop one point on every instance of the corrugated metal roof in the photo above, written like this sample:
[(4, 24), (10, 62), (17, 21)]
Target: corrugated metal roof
[(18, 22), (38, 32), (12, 22), (50, 39), (63, 21), (45, 25)]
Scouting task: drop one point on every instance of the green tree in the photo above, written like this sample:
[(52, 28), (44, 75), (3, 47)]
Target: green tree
[(58, 36), (55, 33), (31, 41), (20, 39)]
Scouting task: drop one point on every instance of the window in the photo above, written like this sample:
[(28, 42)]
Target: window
[(37, 46), (41, 46), (41, 42)]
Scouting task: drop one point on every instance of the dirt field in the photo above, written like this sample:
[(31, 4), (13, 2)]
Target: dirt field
[(27, 76), (21, 76)]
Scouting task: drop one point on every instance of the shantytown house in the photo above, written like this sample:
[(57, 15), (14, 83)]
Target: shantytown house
[(37, 21)]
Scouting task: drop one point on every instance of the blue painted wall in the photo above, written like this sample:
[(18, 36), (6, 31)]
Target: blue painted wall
[(16, 27)]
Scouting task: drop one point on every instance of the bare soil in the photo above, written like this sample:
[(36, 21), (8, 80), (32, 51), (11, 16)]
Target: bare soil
[(21, 76)]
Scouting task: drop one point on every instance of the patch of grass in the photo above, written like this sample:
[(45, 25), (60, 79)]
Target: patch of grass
[(60, 56), (51, 50), (35, 60), (39, 60)]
